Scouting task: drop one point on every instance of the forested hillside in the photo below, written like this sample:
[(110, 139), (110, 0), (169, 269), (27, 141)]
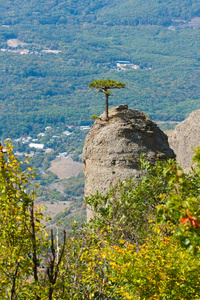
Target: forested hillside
[(66, 44), (128, 12)]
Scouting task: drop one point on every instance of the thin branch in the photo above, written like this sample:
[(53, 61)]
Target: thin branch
[(53, 268), (34, 244), (14, 277), (33, 238)]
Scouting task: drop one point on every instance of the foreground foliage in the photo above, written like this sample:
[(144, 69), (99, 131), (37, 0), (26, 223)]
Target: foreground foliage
[(142, 244)]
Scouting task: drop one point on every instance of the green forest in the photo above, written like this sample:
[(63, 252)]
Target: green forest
[(40, 88), (143, 242)]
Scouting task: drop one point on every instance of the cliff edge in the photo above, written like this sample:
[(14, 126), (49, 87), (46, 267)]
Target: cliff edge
[(184, 138)]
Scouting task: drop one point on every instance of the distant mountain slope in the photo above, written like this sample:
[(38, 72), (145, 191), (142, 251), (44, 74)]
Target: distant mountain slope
[(127, 12), (50, 50), (48, 11), (149, 12)]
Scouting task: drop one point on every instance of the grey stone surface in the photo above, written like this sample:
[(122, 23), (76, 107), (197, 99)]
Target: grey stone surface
[(184, 138), (112, 148)]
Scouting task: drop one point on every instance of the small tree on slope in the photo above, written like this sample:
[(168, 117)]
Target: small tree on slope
[(105, 86)]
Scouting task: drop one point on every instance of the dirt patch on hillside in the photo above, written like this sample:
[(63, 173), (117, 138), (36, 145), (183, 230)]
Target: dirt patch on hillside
[(52, 209), (65, 167), (58, 186), (195, 22), (15, 43)]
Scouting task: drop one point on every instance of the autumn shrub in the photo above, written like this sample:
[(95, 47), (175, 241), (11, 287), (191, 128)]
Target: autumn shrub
[(160, 270), (143, 243)]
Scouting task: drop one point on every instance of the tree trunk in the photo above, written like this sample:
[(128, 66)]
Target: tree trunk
[(107, 107), (50, 293)]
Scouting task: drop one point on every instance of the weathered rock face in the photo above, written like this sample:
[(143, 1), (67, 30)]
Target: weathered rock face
[(112, 148), (185, 136)]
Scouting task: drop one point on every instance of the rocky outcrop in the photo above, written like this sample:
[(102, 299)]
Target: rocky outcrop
[(112, 148), (184, 138)]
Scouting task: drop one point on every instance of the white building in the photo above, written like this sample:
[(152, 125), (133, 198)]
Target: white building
[(67, 133), (36, 146), (26, 139), (127, 66), (41, 134), (84, 127), (63, 154)]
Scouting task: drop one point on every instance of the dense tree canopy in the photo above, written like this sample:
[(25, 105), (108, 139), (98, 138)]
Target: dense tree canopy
[(41, 89)]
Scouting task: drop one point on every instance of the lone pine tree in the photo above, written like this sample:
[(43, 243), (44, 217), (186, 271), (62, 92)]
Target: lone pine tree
[(105, 86)]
